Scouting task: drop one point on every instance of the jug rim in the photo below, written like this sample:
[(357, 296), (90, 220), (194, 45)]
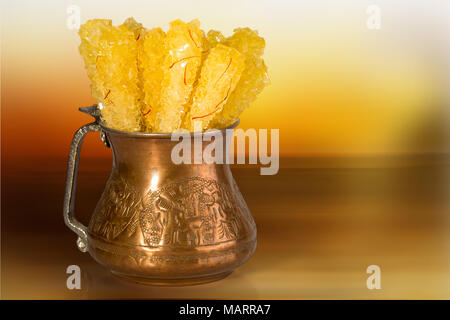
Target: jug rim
[(95, 112), (164, 135)]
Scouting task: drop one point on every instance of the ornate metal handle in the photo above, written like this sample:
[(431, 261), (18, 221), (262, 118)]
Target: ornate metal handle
[(71, 183)]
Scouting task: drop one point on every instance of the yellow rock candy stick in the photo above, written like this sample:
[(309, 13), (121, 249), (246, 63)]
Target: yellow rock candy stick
[(150, 64), (110, 55), (219, 76), (214, 37), (253, 79), (183, 44), (134, 27), (91, 49)]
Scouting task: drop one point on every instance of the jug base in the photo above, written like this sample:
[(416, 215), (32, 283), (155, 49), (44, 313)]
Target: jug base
[(172, 282)]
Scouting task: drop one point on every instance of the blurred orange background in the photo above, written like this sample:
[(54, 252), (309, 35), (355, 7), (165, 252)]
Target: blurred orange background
[(337, 87), (364, 169)]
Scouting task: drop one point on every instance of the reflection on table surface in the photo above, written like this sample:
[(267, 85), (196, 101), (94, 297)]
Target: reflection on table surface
[(321, 223)]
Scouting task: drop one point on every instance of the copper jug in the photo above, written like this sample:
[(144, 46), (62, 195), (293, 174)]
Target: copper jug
[(157, 222)]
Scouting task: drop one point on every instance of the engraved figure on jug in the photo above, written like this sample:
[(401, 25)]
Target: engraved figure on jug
[(190, 212), (115, 210)]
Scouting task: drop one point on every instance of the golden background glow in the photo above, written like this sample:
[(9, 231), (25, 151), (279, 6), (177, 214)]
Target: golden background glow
[(337, 87), (349, 103)]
